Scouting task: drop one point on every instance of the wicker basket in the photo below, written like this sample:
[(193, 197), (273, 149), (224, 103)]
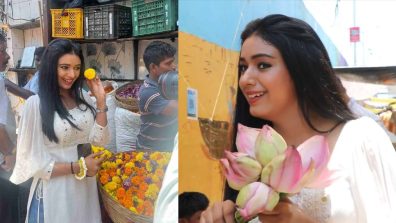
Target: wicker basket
[(131, 104), (215, 135), (119, 213)]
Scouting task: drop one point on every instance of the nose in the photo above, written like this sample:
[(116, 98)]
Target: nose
[(247, 78), (173, 66), (72, 73)]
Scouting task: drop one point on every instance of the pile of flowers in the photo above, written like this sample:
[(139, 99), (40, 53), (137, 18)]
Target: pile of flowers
[(264, 168), (134, 179), (106, 153)]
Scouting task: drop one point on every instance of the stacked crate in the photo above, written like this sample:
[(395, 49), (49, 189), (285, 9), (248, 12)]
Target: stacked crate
[(153, 16)]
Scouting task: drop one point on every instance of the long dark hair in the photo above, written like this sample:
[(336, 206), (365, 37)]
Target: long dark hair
[(317, 88), (49, 94)]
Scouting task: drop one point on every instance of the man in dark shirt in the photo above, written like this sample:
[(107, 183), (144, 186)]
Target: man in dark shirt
[(158, 114)]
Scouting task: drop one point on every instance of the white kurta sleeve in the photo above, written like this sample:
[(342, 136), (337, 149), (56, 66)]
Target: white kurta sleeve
[(32, 157), (99, 135), (374, 174)]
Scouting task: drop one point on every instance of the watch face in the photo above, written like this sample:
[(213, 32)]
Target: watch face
[(102, 110)]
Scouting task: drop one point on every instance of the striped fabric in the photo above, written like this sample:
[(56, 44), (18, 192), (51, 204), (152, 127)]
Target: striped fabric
[(157, 132)]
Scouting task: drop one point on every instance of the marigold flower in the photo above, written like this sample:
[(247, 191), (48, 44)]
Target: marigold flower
[(129, 165), (127, 157), (111, 186), (139, 156), (159, 172), (128, 202), (116, 179), (121, 193), (127, 171), (143, 187), (133, 209), (119, 161), (104, 179)]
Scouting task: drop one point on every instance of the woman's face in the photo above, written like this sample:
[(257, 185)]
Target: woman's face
[(69, 66), (265, 80)]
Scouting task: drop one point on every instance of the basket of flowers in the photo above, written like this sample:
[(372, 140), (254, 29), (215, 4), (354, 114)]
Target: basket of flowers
[(127, 95), (129, 183)]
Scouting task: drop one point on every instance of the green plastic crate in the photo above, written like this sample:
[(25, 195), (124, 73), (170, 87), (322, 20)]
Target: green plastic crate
[(153, 16)]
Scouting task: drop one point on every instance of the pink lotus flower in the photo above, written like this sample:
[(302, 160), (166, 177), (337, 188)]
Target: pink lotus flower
[(240, 169), (298, 168), (282, 169), (268, 145), (246, 139), (255, 198)]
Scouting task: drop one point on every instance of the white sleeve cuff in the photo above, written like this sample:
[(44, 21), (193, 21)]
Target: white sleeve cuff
[(46, 173)]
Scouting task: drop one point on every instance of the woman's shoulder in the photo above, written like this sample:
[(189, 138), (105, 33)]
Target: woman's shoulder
[(363, 124), (364, 130)]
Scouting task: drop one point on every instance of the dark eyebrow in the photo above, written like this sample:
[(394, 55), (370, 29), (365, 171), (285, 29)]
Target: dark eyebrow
[(65, 64), (261, 55), (256, 56)]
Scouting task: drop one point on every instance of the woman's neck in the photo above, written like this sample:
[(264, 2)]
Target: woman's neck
[(67, 99), (65, 94), (295, 130)]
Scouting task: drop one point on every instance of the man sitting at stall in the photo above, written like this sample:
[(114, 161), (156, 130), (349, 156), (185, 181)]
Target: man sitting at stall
[(31, 88)]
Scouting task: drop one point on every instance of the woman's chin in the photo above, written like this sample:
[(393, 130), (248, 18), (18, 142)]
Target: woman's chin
[(258, 113)]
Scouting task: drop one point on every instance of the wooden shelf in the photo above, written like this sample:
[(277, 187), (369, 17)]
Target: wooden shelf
[(165, 35), (27, 25), (22, 69)]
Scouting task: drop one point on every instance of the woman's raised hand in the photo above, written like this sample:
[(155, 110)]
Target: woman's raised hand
[(97, 89), (219, 212), (285, 212)]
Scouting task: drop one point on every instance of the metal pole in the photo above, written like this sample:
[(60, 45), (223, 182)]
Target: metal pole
[(354, 24)]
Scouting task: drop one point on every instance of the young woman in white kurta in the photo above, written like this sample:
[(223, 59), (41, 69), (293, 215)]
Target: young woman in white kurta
[(64, 198)]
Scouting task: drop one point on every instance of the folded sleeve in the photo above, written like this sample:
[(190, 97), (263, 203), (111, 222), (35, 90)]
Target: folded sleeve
[(32, 157), (374, 175), (99, 135)]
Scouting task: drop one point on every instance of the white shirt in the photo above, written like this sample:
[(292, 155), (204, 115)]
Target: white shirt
[(33, 85), (366, 190), (360, 111)]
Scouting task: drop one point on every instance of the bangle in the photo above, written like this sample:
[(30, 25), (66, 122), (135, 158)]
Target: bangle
[(83, 169), (71, 167)]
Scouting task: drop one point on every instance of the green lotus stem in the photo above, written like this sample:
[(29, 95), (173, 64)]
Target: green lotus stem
[(239, 219)]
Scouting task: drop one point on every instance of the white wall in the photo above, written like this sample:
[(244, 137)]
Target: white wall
[(21, 11), (142, 46), (377, 30)]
